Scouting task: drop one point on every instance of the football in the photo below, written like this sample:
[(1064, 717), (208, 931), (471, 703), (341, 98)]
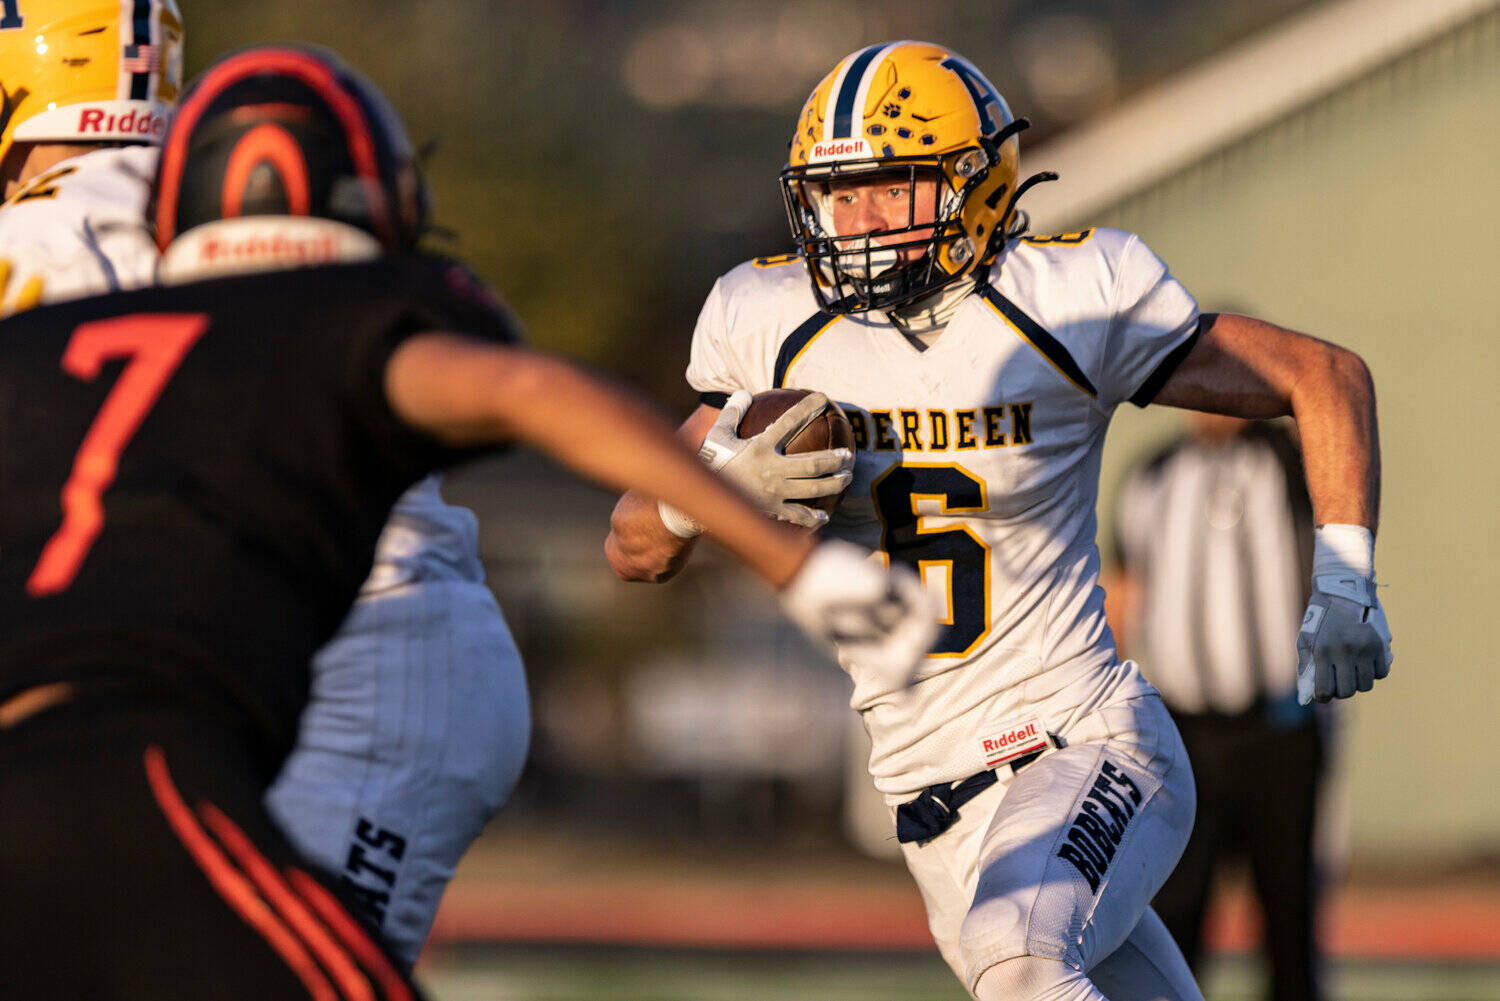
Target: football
[(830, 429)]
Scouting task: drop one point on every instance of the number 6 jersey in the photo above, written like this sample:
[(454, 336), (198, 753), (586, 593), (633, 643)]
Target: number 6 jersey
[(978, 465)]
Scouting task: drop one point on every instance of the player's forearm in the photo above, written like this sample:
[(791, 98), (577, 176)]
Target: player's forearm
[(1334, 406), (639, 546)]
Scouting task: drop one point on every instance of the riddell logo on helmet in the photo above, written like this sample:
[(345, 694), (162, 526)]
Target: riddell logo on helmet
[(277, 248), (840, 149), (102, 123)]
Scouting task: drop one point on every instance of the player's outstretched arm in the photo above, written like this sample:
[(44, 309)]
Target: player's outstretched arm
[(1250, 368), (468, 392)]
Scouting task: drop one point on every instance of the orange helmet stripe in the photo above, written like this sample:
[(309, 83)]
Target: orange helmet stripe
[(272, 144)]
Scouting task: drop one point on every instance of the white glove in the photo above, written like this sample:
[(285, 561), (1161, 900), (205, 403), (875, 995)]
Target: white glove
[(774, 481), (880, 620), (1344, 645)]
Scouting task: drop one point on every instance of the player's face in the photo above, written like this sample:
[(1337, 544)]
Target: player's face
[(885, 204)]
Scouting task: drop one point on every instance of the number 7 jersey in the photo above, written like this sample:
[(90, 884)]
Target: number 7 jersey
[(977, 463)]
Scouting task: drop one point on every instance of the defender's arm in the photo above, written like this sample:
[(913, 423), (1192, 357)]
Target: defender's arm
[(467, 392)]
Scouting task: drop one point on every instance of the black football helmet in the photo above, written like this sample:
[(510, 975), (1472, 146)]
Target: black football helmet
[(288, 130)]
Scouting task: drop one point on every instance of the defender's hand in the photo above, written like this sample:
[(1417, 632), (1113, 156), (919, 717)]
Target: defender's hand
[(18, 295), (1345, 644), (758, 466), (881, 621)]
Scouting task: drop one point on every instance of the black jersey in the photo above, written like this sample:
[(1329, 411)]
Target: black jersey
[(193, 478)]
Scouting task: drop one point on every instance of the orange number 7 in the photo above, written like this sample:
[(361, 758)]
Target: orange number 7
[(155, 343)]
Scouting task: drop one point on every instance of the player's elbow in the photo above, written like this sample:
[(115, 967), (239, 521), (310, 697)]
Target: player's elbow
[(1331, 370)]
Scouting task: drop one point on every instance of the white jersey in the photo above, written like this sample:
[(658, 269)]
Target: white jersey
[(81, 226), (978, 464)]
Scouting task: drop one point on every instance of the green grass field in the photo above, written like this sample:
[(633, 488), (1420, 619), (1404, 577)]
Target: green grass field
[(586, 974)]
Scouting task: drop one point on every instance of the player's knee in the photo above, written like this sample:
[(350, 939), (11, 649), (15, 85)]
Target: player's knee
[(1033, 978), (993, 927)]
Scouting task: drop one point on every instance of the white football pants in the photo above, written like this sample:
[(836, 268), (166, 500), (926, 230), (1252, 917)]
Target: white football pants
[(415, 734), (1059, 862)]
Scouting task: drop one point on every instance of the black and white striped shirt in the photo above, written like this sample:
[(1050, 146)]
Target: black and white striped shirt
[(1218, 537)]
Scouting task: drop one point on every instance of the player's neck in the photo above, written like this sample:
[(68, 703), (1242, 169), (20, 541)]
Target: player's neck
[(26, 161), (922, 321)]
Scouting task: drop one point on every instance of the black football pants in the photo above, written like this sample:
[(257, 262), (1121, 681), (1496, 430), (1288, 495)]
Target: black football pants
[(137, 863)]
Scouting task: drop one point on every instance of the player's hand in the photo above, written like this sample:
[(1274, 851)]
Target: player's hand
[(758, 466), (880, 620), (20, 294), (1344, 645)]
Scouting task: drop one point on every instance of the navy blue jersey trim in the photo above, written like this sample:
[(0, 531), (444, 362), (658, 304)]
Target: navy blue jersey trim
[(795, 342), (843, 110), (1050, 347), (1158, 378)]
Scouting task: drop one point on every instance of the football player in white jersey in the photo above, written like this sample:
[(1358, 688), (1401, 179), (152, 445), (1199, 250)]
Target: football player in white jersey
[(419, 721), (1039, 789)]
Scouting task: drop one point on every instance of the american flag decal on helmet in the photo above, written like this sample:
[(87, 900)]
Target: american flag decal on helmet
[(141, 59), (140, 55)]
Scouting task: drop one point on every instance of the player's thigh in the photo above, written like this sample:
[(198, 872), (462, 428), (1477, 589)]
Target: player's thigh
[(416, 732), (152, 872), (1081, 841), (1146, 967)]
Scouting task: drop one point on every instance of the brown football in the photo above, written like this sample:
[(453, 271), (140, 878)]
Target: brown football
[(830, 429)]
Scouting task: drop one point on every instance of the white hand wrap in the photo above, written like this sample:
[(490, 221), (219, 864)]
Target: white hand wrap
[(1344, 645), (881, 622)]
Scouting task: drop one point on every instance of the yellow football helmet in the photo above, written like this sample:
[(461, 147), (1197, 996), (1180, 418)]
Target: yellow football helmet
[(88, 71), (912, 110)]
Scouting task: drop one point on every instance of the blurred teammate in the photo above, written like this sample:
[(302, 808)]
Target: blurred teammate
[(419, 721), (1214, 543), (1039, 788), (195, 480)]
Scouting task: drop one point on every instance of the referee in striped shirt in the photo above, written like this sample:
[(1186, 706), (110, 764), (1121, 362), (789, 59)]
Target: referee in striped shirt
[(1214, 539)]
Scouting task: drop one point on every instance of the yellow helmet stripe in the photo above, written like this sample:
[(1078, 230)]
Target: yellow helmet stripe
[(852, 89)]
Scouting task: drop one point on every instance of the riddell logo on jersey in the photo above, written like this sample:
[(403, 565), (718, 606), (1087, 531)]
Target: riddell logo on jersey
[(1013, 742), (840, 148), (97, 121)]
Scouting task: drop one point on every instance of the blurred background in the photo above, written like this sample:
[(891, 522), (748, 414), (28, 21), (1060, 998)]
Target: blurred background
[(695, 821)]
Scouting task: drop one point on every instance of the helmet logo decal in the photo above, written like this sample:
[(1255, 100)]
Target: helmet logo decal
[(981, 91), (840, 149), (12, 18), (270, 145)]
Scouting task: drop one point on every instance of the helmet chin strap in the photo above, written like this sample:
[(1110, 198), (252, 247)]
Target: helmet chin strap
[(262, 243)]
